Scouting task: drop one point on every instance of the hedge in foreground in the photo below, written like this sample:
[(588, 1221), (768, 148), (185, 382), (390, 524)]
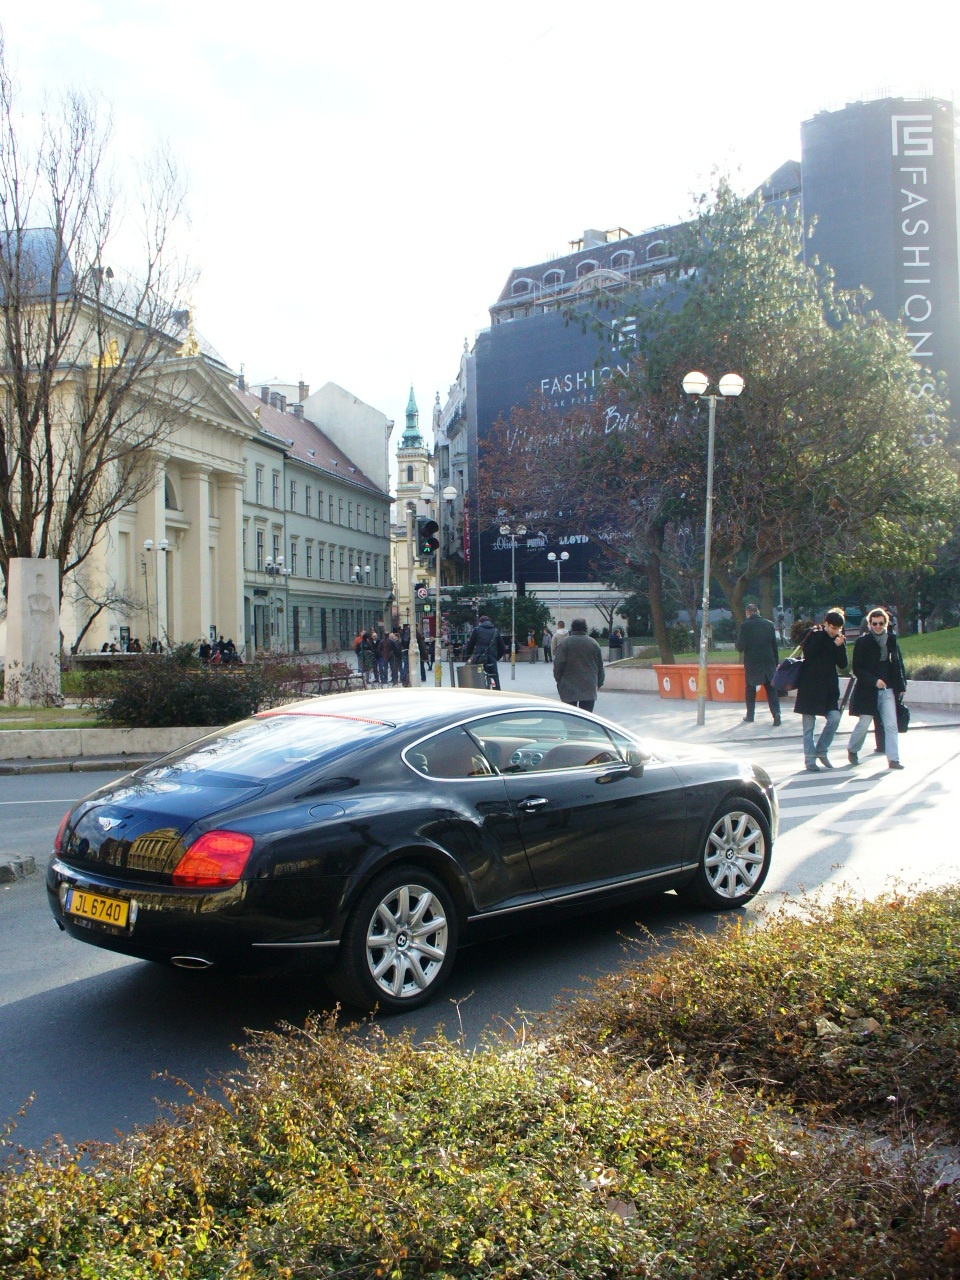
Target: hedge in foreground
[(853, 1007), (338, 1158), (569, 1156)]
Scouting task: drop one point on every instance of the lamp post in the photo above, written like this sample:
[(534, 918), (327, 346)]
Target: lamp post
[(361, 575), (447, 495), (413, 651), (159, 549), (696, 384), (558, 559), (513, 532), (274, 570)]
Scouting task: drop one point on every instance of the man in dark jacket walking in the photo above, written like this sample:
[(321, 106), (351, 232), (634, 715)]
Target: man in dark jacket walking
[(881, 680), (485, 647), (578, 667), (757, 641), (818, 693)]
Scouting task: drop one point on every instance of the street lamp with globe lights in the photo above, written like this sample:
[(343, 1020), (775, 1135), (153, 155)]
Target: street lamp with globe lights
[(513, 532), (274, 569), (157, 549), (558, 560), (697, 384), (448, 494), (361, 576)]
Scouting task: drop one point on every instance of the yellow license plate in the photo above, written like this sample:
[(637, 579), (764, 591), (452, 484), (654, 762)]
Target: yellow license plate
[(91, 906)]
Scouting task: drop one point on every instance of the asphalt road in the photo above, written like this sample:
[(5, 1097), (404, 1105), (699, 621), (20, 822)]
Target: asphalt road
[(91, 1035)]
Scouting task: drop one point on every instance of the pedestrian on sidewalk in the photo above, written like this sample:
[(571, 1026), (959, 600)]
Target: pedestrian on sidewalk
[(880, 681), (818, 693), (578, 667), (757, 641)]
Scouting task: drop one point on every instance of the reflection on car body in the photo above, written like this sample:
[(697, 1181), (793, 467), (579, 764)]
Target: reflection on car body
[(376, 830)]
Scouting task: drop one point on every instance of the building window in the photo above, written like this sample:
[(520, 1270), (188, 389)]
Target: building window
[(243, 548), (307, 500), (409, 475), (276, 489), (309, 560), (330, 508), (258, 486), (658, 249), (293, 495), (341, 510), (330, 574), (622, 261), (350, 514), (366, 518), (342, 575), (520, 287), (276, 548), (260, 550), (586, 268), (375, 524), (293, 556), (553, 279)]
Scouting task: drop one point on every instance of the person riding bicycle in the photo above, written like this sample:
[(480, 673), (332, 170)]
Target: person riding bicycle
[(484, 648)]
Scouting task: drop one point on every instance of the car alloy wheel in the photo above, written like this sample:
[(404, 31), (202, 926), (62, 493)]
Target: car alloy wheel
[(735, 857), (399, 943)]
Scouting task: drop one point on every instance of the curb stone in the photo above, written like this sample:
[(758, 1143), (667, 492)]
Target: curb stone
[(15, 866)]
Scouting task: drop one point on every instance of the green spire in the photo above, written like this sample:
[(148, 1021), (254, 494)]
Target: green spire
[(412, 439)]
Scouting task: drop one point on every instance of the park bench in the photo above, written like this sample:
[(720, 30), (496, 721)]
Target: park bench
[(340, 678)]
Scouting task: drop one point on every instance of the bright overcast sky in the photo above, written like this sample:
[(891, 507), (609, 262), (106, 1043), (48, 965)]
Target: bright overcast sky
[(364, 176)]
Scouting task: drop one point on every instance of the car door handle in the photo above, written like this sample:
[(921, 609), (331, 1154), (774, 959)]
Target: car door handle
[(532, 804)]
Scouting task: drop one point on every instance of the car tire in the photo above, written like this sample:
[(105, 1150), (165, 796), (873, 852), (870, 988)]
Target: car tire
[(399, 943), (734, 857)]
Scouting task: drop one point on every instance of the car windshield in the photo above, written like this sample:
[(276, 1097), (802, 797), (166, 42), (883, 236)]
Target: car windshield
[(268, 747)]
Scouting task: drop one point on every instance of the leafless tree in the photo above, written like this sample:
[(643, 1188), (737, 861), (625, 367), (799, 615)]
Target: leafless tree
[(90, 380), (91, 599)]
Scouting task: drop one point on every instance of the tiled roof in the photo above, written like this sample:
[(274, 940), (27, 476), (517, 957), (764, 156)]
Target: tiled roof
[(303, 440)]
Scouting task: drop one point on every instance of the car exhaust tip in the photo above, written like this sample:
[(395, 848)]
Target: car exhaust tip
[(190, 962)]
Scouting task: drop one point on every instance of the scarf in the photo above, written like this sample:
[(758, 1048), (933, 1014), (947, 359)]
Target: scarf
[(883, 641)]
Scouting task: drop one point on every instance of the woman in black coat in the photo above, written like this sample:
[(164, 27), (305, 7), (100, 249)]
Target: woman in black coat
[(818, 693), (881, 681)]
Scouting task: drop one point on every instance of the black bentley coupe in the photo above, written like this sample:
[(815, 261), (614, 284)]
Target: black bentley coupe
[(377, 831)]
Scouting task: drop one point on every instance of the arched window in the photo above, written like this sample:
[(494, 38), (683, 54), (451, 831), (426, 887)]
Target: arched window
[(409, 475), (622, 261), (657, 249), (170, 495), (586, 268), (521, 287), (553, 279)]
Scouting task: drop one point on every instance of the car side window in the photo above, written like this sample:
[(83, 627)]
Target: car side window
[(542, 741), (451, 754)]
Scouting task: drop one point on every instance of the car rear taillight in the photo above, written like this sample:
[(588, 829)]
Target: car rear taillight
[(58, 838), (215, 861)]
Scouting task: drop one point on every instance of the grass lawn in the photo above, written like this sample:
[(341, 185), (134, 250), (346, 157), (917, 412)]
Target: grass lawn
[(46, 718)]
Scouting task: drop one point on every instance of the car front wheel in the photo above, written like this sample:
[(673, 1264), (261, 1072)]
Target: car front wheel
[(399, 943), (734, 859)]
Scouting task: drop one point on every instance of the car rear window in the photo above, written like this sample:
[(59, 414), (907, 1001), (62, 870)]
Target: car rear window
[(266, 748)]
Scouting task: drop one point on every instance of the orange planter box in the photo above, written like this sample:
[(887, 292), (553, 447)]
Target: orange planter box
[(669, 680), (726, 682), (690, 677)]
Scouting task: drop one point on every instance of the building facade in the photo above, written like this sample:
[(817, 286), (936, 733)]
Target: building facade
[(316, 532)]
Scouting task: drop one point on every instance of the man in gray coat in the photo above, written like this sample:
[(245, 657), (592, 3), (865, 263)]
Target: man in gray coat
[(757, 641), (578, 667)]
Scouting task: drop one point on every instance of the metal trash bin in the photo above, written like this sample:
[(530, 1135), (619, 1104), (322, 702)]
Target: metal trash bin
[(470, 676)]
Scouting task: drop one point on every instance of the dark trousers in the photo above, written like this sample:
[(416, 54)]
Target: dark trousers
[(773, 700), (585, 704)]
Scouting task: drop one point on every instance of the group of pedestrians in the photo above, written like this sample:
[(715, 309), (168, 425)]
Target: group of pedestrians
[(219, 653), (878, 674), (383, 658)]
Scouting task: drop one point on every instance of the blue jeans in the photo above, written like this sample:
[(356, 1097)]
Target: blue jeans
[(810, 749), (887, 708)]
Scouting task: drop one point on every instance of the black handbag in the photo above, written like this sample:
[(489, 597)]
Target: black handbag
[(787, 674), (903, 715)]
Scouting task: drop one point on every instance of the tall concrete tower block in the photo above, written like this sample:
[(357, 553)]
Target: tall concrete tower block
[(881, 180)]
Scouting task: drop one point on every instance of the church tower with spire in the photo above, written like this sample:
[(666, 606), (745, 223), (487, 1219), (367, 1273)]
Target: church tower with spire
[(413, 472)]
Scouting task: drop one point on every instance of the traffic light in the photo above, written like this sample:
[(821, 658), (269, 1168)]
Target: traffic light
[(428, 544)]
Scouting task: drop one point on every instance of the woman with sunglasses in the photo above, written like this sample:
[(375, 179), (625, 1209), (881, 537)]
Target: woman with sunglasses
[(881, 679)]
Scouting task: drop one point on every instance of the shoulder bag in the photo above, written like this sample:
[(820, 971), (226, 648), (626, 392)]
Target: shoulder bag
[(787, 674)]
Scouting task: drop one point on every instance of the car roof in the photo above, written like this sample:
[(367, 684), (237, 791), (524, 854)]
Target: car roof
[(410, 707)]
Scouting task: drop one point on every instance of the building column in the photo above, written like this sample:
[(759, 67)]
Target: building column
[(228, 591), (197, 611)]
